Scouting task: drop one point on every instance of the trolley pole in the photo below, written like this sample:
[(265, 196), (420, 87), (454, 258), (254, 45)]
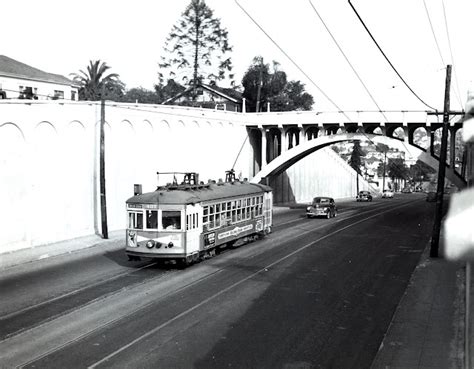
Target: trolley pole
[(103, 200), (441, 169)]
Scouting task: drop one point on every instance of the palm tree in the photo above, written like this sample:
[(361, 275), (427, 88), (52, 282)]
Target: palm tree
[(95, 81)]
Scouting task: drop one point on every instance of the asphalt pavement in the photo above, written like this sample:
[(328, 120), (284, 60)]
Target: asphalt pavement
[(428, 329)]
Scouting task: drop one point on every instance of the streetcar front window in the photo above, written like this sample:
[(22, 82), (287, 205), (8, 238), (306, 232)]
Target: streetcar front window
[(171, 220), (152, 219), (135, 220)]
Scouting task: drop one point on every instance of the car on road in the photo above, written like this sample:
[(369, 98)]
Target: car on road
[(407, 190), (387, 194), (322, 206), (364, 196)]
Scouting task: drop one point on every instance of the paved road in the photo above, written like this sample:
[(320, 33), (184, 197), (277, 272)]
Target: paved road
[(317, 293)]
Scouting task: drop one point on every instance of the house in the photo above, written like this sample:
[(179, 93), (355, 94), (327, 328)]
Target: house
[(21, 81), (208, 96)]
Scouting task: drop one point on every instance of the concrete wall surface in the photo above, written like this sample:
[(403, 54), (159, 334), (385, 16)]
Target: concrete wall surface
[(49, 162), (322, 173)]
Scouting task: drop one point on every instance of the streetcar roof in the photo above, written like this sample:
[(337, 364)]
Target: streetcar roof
[(195, 194)]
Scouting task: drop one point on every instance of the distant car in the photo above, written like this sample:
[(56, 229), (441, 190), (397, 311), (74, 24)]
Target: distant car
[(406, 190), (431, 196), (364, 196), (387, 194), (322, 207)]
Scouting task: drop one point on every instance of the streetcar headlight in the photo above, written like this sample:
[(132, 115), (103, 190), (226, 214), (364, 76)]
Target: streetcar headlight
[(308, 208), (170, 245), (150, 244)]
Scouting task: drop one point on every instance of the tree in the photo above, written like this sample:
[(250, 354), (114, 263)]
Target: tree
[(264, 85), (384, 149), (171, 89), (420, 171), (95, 81), (194, 46), (355, 160), (141, 95)]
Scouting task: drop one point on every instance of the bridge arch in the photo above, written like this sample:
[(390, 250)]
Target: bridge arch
[(290, 157)]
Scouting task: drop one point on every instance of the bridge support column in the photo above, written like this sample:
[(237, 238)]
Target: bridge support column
[(406, 135), (300, 135), (452, 149), (264, 148), (432, 140), (284, 141), (321, 132)]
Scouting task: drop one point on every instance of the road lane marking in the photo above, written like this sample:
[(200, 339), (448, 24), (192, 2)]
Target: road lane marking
[(210, 298)]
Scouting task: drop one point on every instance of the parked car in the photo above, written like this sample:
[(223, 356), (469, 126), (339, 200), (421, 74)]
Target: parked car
[(387, 194), (322, 206), (364, 196)]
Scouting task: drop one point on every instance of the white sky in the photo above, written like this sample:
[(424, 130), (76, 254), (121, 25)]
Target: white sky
[(61, 36)]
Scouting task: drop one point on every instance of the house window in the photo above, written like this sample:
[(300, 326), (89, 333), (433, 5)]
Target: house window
[(58, 95)]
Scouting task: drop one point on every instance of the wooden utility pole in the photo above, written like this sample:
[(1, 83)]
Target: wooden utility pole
[(103, 200), (441, 169)]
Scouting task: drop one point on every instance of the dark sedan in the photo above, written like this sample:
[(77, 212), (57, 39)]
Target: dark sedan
[(364, 196), (322, 206)]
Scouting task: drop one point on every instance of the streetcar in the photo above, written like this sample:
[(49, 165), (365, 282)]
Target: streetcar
[(189, 221)]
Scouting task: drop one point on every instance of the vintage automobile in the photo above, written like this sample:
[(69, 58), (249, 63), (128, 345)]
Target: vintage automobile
[(322, 207), (387, 194), (364, 196)]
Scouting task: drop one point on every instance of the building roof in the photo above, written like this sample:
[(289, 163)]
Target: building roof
[(12, 68), (226, 93)]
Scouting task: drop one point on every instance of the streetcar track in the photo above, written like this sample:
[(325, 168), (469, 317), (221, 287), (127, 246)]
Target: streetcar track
[(70, 293), (8, 331), (133, 286), (235, 284), (117, 319)]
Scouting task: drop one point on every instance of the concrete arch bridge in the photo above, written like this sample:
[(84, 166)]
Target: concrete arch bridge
[(278, 140)]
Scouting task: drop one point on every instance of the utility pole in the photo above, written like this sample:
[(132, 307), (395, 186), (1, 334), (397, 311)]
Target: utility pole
[(383, 178), (103, 202), (441, 169)]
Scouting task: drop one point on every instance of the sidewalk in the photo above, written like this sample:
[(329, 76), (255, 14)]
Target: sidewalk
[(427, 329), (32, 254)]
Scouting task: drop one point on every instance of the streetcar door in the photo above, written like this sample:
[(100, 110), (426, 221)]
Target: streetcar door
[(193, 228), (267, 209)]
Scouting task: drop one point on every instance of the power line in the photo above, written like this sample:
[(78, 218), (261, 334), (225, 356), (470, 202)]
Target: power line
[(452, 58), (386, 58), (347, 59), (434, 35), (289, 58)]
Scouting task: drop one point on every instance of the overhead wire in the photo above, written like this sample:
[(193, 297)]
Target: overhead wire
[(358, 76), (347, 59), (434, 35), (386, 58), (457, 93), (291, 59)]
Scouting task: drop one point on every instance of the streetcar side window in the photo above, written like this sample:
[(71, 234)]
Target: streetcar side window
[(171, 220), (152, 219)]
